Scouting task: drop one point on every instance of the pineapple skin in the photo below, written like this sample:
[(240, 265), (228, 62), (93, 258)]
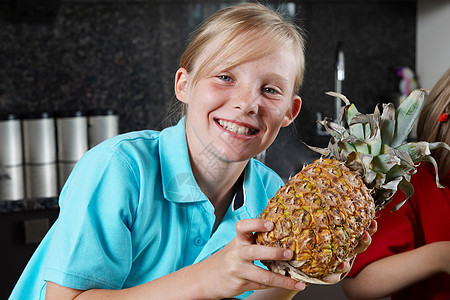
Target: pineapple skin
[(320, 214)]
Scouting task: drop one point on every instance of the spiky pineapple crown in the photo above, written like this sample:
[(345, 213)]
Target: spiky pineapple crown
[(374, 145)]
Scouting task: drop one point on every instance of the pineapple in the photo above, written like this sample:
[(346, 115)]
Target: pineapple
[(322, 212)]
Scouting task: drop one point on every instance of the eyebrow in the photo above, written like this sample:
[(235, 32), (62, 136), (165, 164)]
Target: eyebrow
[(276, 77), (280, 81)]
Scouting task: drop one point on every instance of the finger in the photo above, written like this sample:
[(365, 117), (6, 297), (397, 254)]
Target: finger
[(264, 279), (258, 252), (246, 227), (373, 227), (364, 243), (333, 278), (343, 267)]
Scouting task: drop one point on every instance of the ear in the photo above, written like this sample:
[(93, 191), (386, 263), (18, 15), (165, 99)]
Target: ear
[(181, 84), (293, 112)]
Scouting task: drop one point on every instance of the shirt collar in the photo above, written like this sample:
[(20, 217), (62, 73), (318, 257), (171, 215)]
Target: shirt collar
[(178, 181)]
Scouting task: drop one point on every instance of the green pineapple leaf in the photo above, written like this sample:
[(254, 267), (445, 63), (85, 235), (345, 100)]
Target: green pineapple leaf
[(388, 123), (383, 163), (408, 189), (335, 130), (406, 115), (356, 128), (350, 110), (418, 150)]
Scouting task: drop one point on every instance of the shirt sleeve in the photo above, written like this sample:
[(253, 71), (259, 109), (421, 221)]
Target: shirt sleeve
[(394, 235), (91, 244)]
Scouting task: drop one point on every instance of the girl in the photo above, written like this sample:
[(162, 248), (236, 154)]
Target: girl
[(171, 214)]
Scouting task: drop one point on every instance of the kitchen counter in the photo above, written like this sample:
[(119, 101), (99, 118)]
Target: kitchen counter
[(24, 223), (28, 205)]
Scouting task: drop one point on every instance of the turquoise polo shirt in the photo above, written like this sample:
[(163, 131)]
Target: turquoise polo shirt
[(131, 211)]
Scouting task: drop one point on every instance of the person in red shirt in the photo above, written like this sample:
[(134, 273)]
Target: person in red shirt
[(409, 257)]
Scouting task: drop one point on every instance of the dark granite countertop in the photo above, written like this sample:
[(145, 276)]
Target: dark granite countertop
[(28, 205)]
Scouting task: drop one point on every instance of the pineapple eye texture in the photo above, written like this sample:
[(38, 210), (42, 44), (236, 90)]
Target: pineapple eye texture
[(321, 214)]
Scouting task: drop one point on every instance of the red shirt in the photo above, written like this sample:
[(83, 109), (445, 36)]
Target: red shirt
[(422, 220)]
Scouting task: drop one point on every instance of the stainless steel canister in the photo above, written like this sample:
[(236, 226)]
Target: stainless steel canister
[(103, 124), (41, 181), (64, 170), (39, 143), (72, 140), (12, 185), (39, 138), (10, 140), (11, 158)]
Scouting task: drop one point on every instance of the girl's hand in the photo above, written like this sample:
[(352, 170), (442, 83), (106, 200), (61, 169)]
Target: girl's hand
[(231, 270), (364, 243), (345, 266)]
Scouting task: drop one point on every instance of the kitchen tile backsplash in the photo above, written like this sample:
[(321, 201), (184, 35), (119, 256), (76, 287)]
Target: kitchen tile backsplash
[(122, 55)]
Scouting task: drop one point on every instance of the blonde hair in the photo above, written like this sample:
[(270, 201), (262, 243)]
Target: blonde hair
[(429, 127), (236, 26)]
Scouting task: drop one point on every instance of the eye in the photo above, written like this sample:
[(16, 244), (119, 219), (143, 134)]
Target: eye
[(269, 90), (225, 78)]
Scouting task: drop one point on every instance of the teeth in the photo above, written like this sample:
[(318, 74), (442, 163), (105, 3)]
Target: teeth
[(233, 127)]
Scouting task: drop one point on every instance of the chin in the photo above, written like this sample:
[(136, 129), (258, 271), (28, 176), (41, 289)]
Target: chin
[(241, 157)]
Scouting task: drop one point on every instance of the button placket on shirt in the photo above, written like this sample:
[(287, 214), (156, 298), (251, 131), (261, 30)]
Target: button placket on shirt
[(202, 221), (199, 241)]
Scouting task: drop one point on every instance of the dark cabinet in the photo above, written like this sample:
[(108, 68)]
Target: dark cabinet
[(20, 234)]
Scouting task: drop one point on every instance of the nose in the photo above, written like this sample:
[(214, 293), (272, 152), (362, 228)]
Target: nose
[(247, 100)]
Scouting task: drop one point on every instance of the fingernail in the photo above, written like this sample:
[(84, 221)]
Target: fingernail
[(288, 254), (300, 286), (268, 225)]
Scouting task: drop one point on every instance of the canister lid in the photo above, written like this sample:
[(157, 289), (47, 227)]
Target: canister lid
[(102, 112), (38, 115), (70, 114), (6, 116)]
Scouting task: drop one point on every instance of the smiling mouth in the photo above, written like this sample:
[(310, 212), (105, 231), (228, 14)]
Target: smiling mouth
[(235, 128)]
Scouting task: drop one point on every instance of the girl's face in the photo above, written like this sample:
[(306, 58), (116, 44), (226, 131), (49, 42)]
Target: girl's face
[(236, 113)]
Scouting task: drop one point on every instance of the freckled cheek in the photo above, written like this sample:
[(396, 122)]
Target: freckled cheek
[(207, 100), (214, 97), (276, 108), (274, 114)]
